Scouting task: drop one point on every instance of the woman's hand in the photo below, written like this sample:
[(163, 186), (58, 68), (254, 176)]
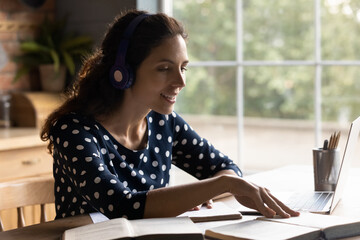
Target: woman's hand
[(258, 198), (208, 204)]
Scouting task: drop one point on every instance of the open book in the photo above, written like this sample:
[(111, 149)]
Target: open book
[(306, 226), (219, 211), (151, 228)]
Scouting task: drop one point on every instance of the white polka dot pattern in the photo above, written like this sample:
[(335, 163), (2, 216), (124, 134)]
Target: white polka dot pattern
[(94, 172)]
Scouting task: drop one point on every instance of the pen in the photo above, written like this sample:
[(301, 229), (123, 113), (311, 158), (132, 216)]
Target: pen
[(325, 144)]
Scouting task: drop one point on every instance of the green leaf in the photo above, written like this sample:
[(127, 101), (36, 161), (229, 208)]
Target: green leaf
[(32, 46), (69, 62), (50, 41), (55, 57), (80, 41), (21, 72), (53, 45)]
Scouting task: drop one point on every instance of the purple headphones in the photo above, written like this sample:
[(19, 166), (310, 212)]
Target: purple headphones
[(121, 74)]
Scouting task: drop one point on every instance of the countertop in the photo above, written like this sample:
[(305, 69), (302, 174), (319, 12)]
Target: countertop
[(16, 138)]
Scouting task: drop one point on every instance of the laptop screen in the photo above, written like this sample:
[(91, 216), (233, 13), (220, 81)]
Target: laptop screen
[(349, 151)]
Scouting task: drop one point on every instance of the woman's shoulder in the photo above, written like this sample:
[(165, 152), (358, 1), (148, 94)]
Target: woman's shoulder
[(73, 119)]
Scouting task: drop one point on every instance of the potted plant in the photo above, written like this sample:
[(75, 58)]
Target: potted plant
[(54, 52)]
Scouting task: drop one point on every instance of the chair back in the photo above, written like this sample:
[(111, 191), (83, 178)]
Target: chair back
[(29, 191)]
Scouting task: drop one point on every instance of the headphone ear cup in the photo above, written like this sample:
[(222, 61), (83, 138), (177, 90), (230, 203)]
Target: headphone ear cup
[(121, 76)]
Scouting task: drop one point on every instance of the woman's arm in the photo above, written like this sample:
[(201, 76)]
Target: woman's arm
[(172, 201)]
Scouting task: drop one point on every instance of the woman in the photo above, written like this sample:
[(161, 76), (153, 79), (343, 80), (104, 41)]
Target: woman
[(114, 139)]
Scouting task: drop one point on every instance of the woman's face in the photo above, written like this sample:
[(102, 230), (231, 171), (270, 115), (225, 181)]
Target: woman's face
[(161, 76)]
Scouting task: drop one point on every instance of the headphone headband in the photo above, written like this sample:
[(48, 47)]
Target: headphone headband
[(133, 24), (122, 49)]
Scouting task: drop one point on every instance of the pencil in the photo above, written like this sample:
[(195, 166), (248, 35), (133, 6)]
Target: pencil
[(331, 141), (334, 140), (337, 139)]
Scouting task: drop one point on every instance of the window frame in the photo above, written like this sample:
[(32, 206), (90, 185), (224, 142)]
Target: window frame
[(240, 64)]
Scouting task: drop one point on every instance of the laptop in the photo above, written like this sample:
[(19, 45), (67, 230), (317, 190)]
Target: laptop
[(323, 202)]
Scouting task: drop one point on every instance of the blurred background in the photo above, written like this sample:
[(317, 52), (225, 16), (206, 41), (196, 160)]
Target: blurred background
[(267, 81)]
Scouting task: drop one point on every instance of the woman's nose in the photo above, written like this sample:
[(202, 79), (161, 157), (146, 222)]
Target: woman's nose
[(180, 79)]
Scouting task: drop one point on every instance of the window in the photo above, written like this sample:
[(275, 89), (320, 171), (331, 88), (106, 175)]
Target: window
[(277, 77)]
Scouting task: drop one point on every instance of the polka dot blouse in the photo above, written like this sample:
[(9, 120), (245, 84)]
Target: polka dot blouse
[(95, 173)]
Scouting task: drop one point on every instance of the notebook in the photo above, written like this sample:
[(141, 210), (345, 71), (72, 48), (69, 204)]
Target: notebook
[(326, 201)]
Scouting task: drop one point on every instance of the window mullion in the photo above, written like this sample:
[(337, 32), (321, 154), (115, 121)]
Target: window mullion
[(240, 80), (318, 73)]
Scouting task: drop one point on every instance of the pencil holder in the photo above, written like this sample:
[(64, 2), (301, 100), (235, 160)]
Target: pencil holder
[(326, 168)]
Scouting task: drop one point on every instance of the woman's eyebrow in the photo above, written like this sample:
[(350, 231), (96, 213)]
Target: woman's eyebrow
[(172, 62)]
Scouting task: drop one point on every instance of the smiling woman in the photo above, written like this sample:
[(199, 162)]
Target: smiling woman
[(115, 138)]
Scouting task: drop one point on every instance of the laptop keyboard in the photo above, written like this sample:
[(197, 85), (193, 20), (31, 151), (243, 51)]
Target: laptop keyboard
[(312, 201)]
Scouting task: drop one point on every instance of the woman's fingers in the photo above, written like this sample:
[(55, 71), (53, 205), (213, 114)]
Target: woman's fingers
[(196, 208), (283, 206), (255, 201), (261, 199), (261, 207), (207, 204), (272, 206), (272, 203)]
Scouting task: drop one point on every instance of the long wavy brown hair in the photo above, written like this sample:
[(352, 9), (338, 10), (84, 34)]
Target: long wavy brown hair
[(92, 94)]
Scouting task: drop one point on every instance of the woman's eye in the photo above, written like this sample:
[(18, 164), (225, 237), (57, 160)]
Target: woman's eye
[(184, 69), (163, 69)]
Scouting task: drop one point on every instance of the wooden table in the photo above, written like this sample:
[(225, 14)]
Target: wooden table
[(276, 180), (48, 230)]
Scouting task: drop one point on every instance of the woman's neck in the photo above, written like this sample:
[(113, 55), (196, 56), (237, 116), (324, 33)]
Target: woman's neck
[(129, 128)]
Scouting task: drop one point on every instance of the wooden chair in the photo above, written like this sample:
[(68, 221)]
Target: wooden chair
[(26, 192)]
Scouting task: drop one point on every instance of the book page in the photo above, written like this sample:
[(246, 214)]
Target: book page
[(212, 224), (98, 217), (332, 226), (220, 211), (150, 228), (254, 229), (313, 220), (112, 229), (178, 226)]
